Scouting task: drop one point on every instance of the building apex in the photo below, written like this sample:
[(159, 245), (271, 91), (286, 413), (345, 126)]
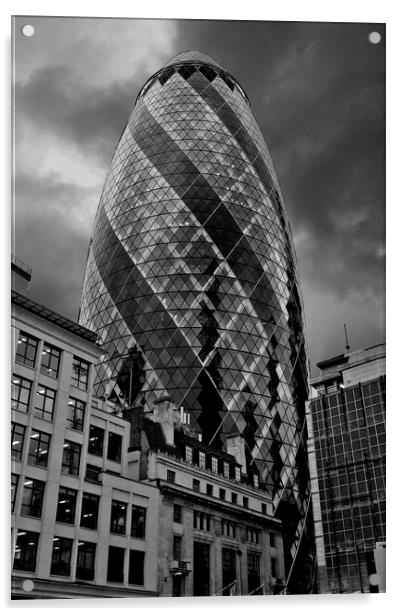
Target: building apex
[(192, 57)]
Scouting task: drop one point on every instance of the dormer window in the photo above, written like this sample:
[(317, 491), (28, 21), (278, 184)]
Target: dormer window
[(214, 464), (237, 473), (226, 469), (189, 454), (201, 459)]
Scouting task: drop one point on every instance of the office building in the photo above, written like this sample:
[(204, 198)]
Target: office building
[(348, 476), (191, 284)]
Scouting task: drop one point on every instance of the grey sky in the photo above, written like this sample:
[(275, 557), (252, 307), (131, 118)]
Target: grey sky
[(317, 92)]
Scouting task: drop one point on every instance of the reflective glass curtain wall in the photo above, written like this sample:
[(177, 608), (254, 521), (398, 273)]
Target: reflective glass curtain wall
[(191, 280)]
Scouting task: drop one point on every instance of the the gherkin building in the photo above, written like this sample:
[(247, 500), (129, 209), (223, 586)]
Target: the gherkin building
[(191, 280)]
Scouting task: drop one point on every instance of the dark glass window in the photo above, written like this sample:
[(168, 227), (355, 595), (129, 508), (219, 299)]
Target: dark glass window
[(92, 473), (76, 413), (50, 361), (44, 402), (201, 574), (253, 573), (89, 510), (27, 347), (80, 373), (66, 505), (196, 485), (234, 498), (95, 443), (272, 540), (61, 556), (228, 570), (71, 458), (118, 517), (25, 550), (263, 508), (136, 568), (177, 513), (222, 493), (20, 393), (17, 440), (177, 540), (171, 476), (32, 497), (85, 560), (138, 520), (14, 487), (39, 444), (245, 502), (274, 569), (114, 447), (115, 564), (210, 489)]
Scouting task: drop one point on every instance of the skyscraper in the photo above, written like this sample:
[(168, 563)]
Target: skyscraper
[(191, 281)]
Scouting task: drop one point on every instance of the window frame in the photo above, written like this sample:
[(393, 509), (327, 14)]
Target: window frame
[(96, 450), (30, 342), (80, 367), (30, 538), (88, 511), (71, 459), (33, 490), (61, 565), (51, 353), (66, 496), (40, 438), (76, 414), (116, 526), (117, 456), (43, 412), (16, 452), (20, 387), (86, 552), (138, 525)]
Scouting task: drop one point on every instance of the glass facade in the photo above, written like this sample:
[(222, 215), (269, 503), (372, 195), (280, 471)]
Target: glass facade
[(349, 438), (191, 278)]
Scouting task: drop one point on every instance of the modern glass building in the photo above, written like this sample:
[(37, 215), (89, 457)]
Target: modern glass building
[(348, 418), (191, 281)]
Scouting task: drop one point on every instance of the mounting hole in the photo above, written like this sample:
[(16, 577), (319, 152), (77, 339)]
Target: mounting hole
[(28, 585), (374, 38), (28, 30)]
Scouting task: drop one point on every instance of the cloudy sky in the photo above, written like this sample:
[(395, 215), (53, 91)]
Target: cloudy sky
[(317, 91)]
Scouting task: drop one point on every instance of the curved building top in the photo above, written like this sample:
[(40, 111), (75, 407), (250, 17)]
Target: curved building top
[(193, 57)]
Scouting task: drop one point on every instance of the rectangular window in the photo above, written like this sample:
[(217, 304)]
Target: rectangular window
[(252, 535), (118, 517), (66, 504), (92, 473), (136, 568), (85, 560), (27, 347), (20, 393), (255, 481), (138, 520), (210, 489), (80, 373), (114, 447), (196, 485), (17, 440), (171, 476), (228, 570), (222, 494), (201, 459), (95, 442), (14, 487), (76, 414), (61, 556), (201, 575), (177, 513), (32, 497), (272, 540), (115, 564), (214, 464), (25, 550), (253, 573), (245, 502), (39, 444), (226, 469), (237, 473), (177, 547), (263, 509), (228, 528), (234, 498), (202, 521), (71, 458), (50, 361), (189, 454), (89, 510), (44, 402), (274, 569)]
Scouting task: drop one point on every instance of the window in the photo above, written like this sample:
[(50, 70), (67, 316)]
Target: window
[(255, 481), (228, 528), (14, 486), (237, 473), (80, 373), (114, 447), (39, 444), (252, 535), (115, 564), (234, 498), (201, 575), (136, 568), (245, 502), (32, 497), (85, 560), (177, 513), (95, 443), (210, 489), (177, 547), (89, 510), (274, 569), (263, 508), (228, 570), (201, 459), (222, 493), (214, 464), (118, 517), (71, 458), (202, 521), (17, 440), (20, 393), (92, 473), (138, 519), (196, 485), (44, 402), (66, 505), (27, 347), (25, 550), (76, 413), (272, 540), (50, 361), (61, 556), (189, 454), (253, 574), (171, 476), (226, 469)]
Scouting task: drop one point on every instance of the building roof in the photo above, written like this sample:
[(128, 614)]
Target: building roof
[(192, 57), (53, 317)]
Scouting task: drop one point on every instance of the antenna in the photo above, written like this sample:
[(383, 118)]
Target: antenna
[(346, 338)]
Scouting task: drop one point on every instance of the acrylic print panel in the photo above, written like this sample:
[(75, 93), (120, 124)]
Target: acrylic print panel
[(167, 175)]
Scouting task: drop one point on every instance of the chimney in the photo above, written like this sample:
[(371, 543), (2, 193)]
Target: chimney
[(166, 414), (235, 447)]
